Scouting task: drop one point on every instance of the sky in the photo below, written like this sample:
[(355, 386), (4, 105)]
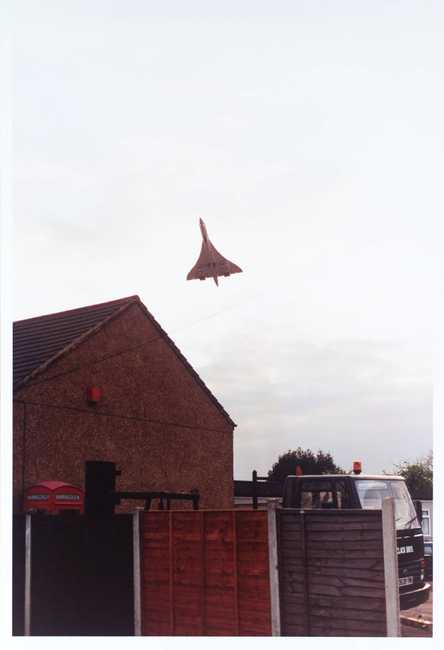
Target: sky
[(308, 136)]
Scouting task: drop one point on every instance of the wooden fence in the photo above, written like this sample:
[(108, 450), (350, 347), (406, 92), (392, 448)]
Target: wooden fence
[(209, 573), (331, 573), (205, 573)]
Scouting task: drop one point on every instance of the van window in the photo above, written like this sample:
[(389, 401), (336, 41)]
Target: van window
[(324, 494), (312, 499), (342, 494), (372, 492), (317, 494)]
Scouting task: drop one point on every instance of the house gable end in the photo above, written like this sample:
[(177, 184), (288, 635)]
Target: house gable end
[(118, 309), (186, 363)]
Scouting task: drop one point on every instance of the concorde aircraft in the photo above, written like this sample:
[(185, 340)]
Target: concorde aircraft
[(211, 264)]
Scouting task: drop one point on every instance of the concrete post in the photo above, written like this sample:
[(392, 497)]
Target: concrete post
[(27, 615), (391, 574), (137, 575), (273, 569)]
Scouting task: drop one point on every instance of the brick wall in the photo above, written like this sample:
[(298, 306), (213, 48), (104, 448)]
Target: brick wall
[(155, 420)]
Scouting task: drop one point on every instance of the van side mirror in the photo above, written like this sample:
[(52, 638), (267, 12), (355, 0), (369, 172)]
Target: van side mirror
[(418, 507)]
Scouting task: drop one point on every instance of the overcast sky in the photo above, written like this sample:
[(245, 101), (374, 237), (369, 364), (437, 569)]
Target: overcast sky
[(308, 136)]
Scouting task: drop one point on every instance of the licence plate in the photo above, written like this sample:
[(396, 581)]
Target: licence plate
[(405, 581)]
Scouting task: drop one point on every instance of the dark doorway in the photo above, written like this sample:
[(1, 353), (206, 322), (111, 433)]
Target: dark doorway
[(82, 576), (18, 574)]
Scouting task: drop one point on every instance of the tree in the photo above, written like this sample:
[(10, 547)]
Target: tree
[(418, 476), (309, 462)]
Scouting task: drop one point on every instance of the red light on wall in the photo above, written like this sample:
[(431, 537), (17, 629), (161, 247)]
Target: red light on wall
[(299, 471), (93, 394)]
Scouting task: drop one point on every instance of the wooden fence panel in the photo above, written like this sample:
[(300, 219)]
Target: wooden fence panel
[(219, 593), (331, 573), (156, 576), (253, 573), (292, 574), (205, 573)]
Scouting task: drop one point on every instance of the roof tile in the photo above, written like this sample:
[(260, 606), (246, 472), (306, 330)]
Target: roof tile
[(37, 340)]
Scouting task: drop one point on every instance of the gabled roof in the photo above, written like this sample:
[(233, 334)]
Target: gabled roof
[(39, 341)]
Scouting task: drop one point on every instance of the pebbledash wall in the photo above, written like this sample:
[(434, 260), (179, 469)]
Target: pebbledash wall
[(156, 419)]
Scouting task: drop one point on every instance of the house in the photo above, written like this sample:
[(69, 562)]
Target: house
[(105, 382), (424, 494), (427, 517)]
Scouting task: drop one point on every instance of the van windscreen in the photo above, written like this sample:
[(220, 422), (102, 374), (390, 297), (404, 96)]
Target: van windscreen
[(372, 491)]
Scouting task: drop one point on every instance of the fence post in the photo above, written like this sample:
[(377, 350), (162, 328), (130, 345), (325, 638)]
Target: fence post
[(273, 569), (27, 621), (391, 575), (136, 575), (254, 476)]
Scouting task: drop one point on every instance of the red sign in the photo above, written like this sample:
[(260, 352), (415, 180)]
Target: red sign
[(53, 497)]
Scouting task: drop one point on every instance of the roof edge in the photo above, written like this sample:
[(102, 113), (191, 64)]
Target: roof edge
[(70, 311), (186, 363)]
